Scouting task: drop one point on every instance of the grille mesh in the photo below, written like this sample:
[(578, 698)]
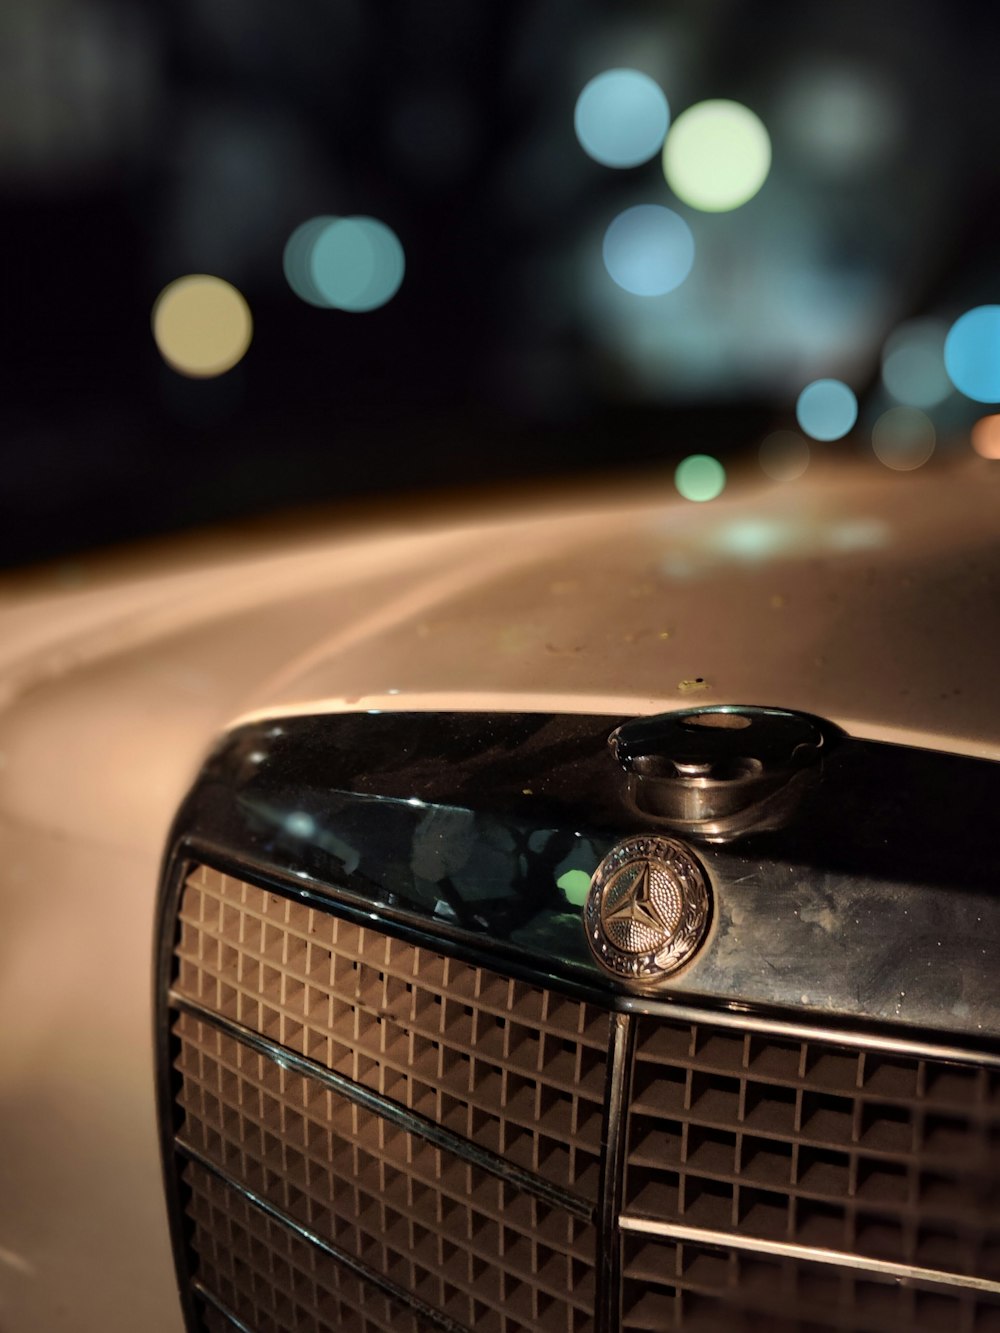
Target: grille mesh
[(456, 1237), (511, 1068), (518, 1070), (743, 1135), (271, 1278), (892, 1158)]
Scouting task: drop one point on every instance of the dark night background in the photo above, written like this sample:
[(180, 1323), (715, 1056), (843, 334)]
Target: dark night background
[(141, 142)]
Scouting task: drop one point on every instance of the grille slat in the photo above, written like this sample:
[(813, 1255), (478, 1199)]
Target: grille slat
[(216, 1315), (440, 1128)]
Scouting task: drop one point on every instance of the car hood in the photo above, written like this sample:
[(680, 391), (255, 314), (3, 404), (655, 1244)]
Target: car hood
[(867, 599), (870, 601)]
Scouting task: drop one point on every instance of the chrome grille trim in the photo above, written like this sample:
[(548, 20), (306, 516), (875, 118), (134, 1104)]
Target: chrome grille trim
[(398, 1115), (342, 1257), (209, 1298), (613, 1174), (778, 1027), (807, 1253)]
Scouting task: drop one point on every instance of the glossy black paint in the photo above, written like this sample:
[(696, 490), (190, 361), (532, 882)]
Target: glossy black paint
[(878, 902)]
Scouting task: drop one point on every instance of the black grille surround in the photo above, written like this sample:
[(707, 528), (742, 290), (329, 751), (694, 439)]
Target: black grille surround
[(374, 1118)]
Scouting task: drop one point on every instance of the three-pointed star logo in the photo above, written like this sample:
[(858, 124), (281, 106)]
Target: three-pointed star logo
[(636, 904), (647, 910)]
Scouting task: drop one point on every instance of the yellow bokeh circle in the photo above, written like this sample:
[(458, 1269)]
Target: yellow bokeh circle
[(717, 155), (202, 325)]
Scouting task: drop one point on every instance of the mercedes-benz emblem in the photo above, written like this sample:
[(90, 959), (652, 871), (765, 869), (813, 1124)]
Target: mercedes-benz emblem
[(648, 908)]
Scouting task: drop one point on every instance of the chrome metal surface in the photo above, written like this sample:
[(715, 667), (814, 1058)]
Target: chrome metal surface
[(389, 1110), (807, 1253), (209, 1297), (719, 772), (612, 1175), (648, 909), (343, 1258)]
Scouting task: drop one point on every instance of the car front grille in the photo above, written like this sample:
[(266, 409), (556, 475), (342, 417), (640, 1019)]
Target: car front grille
[(372, 1135)]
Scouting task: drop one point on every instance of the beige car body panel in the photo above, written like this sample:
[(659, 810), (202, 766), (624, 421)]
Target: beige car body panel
[(870, 599)]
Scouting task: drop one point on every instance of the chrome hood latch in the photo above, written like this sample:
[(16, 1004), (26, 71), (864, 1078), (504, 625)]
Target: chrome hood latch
[(720, 772)]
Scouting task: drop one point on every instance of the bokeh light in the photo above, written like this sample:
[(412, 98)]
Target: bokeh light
[(717, 155), (357, 263), (840, 119), (903, 438), (972, 354), (986, 437), (913, 367), (826, 409), (784, 456), (700, 477), (202, 325), (621, 118), (297, 260), (648, 250), (354, 263)]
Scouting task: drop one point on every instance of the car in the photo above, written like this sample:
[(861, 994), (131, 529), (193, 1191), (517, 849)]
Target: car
[(575, 915)]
